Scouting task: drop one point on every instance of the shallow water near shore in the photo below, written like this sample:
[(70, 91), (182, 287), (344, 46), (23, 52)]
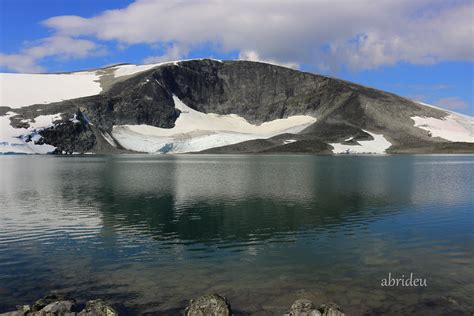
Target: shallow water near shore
[(152, 232)]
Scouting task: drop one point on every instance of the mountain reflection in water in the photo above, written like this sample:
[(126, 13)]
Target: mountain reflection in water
[(151, 232)]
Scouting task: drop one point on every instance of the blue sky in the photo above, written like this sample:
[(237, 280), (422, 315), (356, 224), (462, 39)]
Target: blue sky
[(420, 49)]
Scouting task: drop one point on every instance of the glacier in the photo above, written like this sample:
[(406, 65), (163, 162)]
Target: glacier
[(196, 131)]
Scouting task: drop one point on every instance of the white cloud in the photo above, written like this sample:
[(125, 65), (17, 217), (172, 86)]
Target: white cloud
[(59, 46), (254, 56), (361, 34), (19, 63), (326, 34), (174, 52), (451, 103)]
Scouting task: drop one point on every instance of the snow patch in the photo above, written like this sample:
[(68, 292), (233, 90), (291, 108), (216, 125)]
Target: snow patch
[(376, 146), (75, 120), (44, 121), (15, 140), (18, 90), (196, 131), (128, 70), (454, 127), (289, 141)]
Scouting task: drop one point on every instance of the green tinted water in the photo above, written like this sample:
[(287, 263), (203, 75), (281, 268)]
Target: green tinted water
[(151, 232)]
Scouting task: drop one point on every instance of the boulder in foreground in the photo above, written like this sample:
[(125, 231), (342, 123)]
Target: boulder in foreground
[(208, 305)]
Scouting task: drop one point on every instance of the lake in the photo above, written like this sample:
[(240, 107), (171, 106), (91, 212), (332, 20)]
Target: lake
[(149, 232)]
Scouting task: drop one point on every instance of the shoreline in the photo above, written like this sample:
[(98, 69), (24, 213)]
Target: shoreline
[(205, 305), (217, 305)]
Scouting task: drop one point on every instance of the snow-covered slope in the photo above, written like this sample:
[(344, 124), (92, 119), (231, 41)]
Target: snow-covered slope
[(18, 90), (196, 131), (455, 127), (128, 70), (131, 69)]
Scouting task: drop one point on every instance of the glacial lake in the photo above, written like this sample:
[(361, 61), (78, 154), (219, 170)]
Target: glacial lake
[(148, 233)]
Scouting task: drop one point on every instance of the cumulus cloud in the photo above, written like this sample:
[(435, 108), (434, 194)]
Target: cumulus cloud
[(360, 34), (451, 103), (254, 56), (174, 52), (61, 47), (19, 63), (327, 34)]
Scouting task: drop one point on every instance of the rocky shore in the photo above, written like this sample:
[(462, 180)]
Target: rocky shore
[(206, 305), (65, 306)]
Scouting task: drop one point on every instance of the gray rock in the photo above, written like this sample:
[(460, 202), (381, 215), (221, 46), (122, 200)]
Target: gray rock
[(208, 305), (303, 307), (49, 299), (330, 309), (59, 307), (15, 313), (21, 310), (98, 308)]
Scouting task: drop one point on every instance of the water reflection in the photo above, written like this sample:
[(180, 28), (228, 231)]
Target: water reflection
[(256, 228)]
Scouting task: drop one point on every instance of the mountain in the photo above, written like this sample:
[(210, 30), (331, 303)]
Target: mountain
[(214, 106)]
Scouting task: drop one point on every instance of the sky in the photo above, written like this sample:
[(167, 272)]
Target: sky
[(422, 50)]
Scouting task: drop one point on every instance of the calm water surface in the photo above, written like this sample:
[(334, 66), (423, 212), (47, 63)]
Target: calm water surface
[(151, 232)]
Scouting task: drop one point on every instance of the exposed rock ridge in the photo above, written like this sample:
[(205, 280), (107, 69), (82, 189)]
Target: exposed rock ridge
[(256, 91)]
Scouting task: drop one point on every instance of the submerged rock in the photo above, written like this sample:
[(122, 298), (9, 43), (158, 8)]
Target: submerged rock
[(208, 305)]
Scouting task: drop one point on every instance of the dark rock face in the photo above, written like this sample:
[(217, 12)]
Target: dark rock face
[(69, 137), (138, 100), (256, 91)]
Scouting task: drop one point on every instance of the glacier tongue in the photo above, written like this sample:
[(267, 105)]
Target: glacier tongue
[(195, 131)]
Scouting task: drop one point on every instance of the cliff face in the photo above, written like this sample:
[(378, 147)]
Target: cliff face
[(345, 113)]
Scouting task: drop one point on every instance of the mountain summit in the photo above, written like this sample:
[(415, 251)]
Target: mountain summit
[(215, 106)]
